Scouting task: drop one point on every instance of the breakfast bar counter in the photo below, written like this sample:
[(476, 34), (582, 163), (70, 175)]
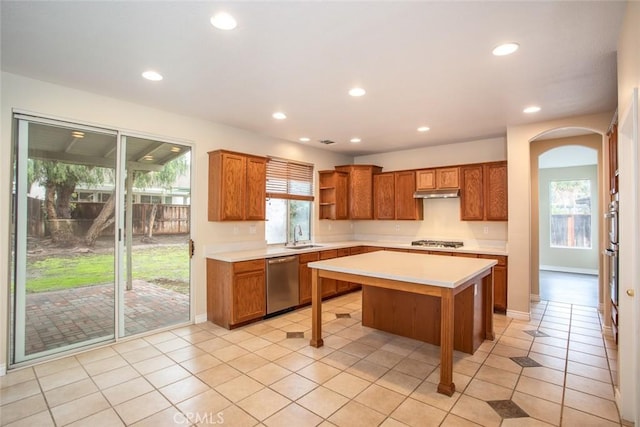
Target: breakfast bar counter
[(409, 282)]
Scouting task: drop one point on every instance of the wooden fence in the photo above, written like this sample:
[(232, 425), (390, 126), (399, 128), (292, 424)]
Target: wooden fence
[(169, 219)]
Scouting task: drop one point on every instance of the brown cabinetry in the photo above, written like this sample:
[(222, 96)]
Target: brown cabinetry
[(483, 192), (237, 186), (613, 159), (333, 194), (360, 189), (393, 196), (440, 178), (341, 285), (499, 282), (406, 206), (304, 275), (235, 291), (329, 286), (384, 196)]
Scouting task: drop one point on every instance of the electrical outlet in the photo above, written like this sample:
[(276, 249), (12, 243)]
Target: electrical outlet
[(252, 229), (486, 229), (329, 227), (236, 230), (397, 227)]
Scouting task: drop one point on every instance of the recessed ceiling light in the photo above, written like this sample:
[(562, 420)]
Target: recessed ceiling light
[(175, 149), (77, 134), (505, 49), (154, 76), (148, 157), (531, 109), (357, 91), (223, 21), (355, 140), (423, 128), (305, 139), (279, 115)]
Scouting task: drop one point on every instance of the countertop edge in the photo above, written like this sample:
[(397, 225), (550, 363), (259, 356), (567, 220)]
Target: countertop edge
[(272, 252)]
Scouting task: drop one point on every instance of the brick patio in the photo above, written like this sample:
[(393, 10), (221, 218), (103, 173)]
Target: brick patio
[(59, 318)]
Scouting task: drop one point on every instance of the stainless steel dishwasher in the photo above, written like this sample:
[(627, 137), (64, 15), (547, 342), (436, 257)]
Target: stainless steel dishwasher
[(282, 283)]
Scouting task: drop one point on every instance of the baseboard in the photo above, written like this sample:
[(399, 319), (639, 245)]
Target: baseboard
[(519, 315), (201, 318), (3, 369), (591, 271), (534, 298)]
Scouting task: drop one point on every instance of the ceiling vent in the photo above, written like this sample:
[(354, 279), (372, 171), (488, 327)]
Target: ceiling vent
[(327, 141)]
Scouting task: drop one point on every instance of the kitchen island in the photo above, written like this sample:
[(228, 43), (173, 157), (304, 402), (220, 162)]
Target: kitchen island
[(419, 276)]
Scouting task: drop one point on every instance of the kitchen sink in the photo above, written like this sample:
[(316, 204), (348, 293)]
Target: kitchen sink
[(303, 246)]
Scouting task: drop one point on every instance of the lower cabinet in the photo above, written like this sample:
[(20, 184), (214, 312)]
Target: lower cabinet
[(329, 285), (499, 282), (304, 275), (235, 291), (341, 285)]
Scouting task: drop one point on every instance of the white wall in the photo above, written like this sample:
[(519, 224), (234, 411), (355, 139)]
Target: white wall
[(566, 259), (441, 216), (628, 390), (52, 100)]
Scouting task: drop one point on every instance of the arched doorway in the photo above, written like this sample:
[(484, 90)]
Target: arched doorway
[(562, 158)]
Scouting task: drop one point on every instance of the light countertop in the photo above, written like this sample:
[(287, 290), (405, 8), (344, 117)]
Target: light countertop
[(279, 250), (432, 270)]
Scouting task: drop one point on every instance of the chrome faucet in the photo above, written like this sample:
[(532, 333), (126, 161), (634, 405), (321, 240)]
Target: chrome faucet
[(295, 236)]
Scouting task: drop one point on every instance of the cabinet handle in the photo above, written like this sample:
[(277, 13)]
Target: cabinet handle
[(630, 292)]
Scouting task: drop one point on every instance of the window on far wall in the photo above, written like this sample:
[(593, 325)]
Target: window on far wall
[(289, 201), (570, 208)]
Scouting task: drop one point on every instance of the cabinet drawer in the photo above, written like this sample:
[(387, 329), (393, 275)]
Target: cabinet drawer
[(502, 260), (332, 253), (252, 265), (309, 257)]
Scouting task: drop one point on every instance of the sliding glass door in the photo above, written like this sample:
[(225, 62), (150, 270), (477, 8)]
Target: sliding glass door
[(101, 230)]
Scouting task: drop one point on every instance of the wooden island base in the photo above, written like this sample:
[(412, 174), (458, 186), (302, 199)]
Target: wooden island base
[(413, 307)]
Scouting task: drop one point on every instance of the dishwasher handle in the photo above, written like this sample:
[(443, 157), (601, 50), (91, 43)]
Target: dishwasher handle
[(282, 259)]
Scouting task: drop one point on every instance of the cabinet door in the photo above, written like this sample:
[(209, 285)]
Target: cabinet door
[(471, 193), (342, 199), (256, 188), (233, 186), (448, 178), (426, 179), (328, 285), (341, 285), (495, 191), (248, 296), (500, 288), (304, 276), (383, 196), (407, 207)]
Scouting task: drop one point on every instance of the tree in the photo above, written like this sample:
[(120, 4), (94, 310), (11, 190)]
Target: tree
[(164, 178), (61, 179)]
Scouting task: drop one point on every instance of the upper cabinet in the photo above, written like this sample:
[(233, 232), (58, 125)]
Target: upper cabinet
[(406, 206), (440, 178), (613, 159), (384, 196), (237, 186), (483, 192), (393, 196), (360, 189), (333, 194)]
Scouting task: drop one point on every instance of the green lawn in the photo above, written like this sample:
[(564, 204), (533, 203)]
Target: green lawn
[(166, 266)]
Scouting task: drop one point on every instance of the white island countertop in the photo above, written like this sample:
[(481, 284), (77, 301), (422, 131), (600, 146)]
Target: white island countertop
[(447, 272)]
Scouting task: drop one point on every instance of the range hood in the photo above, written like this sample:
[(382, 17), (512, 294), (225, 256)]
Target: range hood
[(437, 194)]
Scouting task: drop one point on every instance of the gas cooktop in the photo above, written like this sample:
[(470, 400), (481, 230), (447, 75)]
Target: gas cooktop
[(437, 244)]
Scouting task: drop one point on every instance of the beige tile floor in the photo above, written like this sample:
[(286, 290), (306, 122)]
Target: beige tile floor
[(207, 375)]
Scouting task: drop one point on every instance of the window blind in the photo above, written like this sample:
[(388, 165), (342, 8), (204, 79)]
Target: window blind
[(289, 180)]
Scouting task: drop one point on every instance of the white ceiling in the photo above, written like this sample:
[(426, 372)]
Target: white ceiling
[(422, 63)]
